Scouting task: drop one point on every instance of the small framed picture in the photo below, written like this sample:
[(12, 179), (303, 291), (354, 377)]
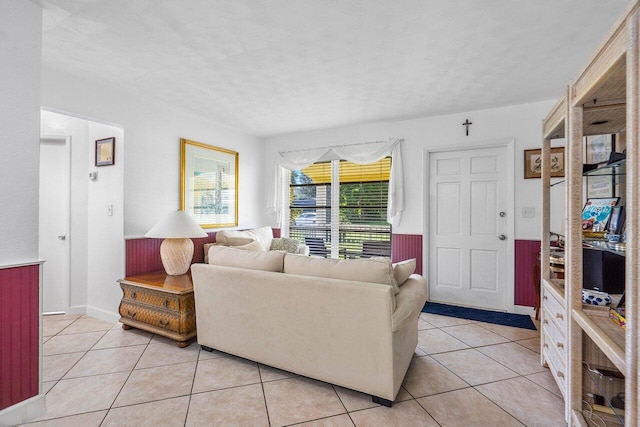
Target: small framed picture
[(105, 151), (596, 213), (598, 148), (533, 163), (616, 222)]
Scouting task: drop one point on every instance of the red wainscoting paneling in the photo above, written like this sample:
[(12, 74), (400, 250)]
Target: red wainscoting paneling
[(143, 254), (407, 246), (19, 334), (526, 256)]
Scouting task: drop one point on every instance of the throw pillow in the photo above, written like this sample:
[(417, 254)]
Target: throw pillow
[(403, 269), (253, 246), (285, 244), (238, 241)]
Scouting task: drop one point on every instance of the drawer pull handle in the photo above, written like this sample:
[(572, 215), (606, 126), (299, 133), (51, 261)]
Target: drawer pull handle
[(133, 295), (560, 345), (559, 316), (165, 303), (163, 323), (560, 374), (131, 314)]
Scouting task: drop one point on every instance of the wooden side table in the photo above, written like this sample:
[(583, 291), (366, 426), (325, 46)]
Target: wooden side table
[(159, 303)]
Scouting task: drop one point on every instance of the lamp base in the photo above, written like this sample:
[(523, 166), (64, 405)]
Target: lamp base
[(176, 255)]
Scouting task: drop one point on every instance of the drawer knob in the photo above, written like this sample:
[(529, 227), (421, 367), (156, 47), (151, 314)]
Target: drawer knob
[(560, 345), (163, 323), (133, 295), (545, 345), (559, 316), (560, 374), (545, 298), (131, 314), (545, 322), (165, 303)]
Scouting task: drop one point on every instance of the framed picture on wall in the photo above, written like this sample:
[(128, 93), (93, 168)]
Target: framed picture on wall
[(209, 184), (105, 151), (533, 163)]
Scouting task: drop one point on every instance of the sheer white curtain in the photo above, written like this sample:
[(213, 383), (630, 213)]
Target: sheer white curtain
[(357, 153)]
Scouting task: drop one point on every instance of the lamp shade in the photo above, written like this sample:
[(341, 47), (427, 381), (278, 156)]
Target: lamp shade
[(176, 225)]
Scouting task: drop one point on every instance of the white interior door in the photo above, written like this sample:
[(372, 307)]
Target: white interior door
[(468, 224), (54, 222)]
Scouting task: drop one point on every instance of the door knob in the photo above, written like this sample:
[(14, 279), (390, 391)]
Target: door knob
[(62, 237), (502, 237)]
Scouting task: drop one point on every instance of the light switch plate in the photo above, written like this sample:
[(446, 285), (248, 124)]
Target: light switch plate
[(528, 212)]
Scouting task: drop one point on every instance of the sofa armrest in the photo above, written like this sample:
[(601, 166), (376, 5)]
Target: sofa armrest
[(409, 301)]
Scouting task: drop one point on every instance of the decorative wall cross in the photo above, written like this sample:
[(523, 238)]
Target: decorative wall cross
[(467, 123)]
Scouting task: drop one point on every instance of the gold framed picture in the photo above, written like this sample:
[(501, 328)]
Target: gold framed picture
[(533, 163), (105, 151), (209, 184)]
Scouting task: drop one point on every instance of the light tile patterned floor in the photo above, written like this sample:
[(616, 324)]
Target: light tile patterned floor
[(464, 373)]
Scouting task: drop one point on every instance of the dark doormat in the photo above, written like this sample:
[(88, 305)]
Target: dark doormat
[(499, 318)]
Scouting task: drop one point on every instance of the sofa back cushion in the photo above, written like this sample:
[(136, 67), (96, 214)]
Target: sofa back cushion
[(264, 235), (231, 257), (373, 270)]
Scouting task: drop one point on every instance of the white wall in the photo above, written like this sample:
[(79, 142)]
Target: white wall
[(105, 263), (20, 50), (523, 123), (153, 132), (143, 185), (95, 238)]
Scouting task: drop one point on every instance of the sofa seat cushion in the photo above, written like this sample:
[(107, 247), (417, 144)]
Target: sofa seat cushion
[(264, 235), (239, 258), (372, 270), (285, 244)]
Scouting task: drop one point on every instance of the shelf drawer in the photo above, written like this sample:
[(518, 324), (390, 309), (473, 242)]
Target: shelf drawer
[(555, 309), (161, 319), (149, 297), (557, 368), (556, 336)]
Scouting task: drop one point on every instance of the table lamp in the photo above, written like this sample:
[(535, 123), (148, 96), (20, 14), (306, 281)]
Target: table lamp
[(176, 251)]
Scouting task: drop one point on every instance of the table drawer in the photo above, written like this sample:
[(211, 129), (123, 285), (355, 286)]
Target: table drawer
[(161, 319), (149, 297), (554, 308), (556, 336), (556, 366)]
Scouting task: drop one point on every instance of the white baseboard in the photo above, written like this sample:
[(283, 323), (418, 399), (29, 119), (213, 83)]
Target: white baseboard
[(77, 309), (99, 313), (24, 411)]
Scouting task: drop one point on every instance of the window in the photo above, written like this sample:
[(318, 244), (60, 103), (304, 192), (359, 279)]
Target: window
[(357, 227)]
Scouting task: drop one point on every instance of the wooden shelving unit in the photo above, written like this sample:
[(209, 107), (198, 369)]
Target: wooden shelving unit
[(604, 99)]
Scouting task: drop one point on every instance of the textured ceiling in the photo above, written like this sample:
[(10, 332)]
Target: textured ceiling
[(274, 67)]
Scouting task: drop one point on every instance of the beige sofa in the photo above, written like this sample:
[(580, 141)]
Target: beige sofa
[(345, 322), (262, 235)]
